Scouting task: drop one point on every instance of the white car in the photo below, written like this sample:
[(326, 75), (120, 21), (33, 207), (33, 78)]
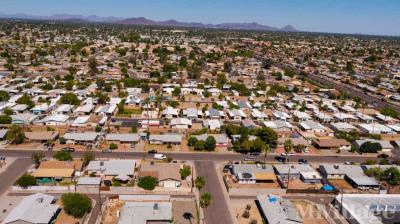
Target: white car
[(160, 156), (289, 154)]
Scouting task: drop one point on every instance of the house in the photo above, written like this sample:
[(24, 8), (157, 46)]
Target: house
[(41, 136), (170, 113), (248, 123), (167, 174), (34, 209), (23, 119), (275, 210), (55, 119), (258, 115), (386, 146), (339, 171), (251, 173), (53, 170), (181, 123), (88, 184), (376, 128), (128, 138), (236, 114), (279, 125), (215, 114), (112, 168), (212, 124), (343, 117), (64, 109), (106, 110), (292, 170), (222, 140), (323, 117), (312, 126), (145, 212), (169, 138), (342, 126), (81, 121), (362, 182), (279, 115), (41, 109), (302, 116), (369, 208), (192, 113), (332, 144), (365, 118), (81, 137)]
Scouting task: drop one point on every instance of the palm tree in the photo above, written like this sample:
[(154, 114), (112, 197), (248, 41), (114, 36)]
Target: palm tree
[(199, 182), (205, 200), (266, 149), (288, 146)]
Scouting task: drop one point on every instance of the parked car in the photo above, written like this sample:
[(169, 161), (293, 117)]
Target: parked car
[(152, 151), (249, 158), (349, 163), (254, 153), (383, 156), (227, 168), (68, 149), (280, 159), (303, 161), (160, 156), (107, 151)]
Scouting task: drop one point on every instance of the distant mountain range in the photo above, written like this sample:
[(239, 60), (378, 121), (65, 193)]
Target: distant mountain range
[(148, 22)]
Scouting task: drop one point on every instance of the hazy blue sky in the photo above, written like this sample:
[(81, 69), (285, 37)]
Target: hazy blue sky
[(345, 16)]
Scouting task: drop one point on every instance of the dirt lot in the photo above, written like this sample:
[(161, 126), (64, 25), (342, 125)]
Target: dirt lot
[(341, 184), (298, 184), (179, 208), (310, 213), (240, 206), (161, 148)]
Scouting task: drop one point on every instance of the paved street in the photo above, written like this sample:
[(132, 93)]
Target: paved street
[(203, 156), (12, 173), (218, 212)]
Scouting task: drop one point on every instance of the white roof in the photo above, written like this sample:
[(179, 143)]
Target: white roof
[(141, 212), (81, 120), (376, 128), (128, 137), (89, 181), (81, 136), (36, 208), (113, 167)]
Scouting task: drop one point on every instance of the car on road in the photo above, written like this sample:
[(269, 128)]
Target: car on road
[(68, 149), (280, 159), (254, 153), (152, 151), (303, 161), (349, 163), (106, 151), (160, 156), (383, 156), (249, 158)]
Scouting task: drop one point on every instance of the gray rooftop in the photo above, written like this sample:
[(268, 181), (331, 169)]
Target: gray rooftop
[(143, 212), (278, 210), (113, 167), (123, 137)]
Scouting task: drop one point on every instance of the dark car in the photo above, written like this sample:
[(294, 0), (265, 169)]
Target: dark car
[(383, 156), (254, 153), (107, 183), (227, 168), (68, 149), (281, 159), (303, 161), (153, 151)]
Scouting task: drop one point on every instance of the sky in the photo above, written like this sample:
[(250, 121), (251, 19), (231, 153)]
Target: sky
[(379, 17)]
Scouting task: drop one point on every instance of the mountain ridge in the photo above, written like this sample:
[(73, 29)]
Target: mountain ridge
[(148, 22)]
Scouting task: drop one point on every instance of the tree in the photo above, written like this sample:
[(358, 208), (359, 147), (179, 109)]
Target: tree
[(185, 172), (37, 157), (370, 147), (210, 143), (147, 183), (26, 180), (26, 99), (392, 175), (389, 111), (88, 156), (205, 200), (192, 141), (62, 156), (134, 129), (199, 182), (5, 119), (267, 149), (92, 63), (69, 98), (76, 204), (268, 135), (15, 134), (288, 147), (4, 96), (8, 111), (199, 145)]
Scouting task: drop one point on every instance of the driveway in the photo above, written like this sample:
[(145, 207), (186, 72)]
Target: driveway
[(12, 173), (218, 211)]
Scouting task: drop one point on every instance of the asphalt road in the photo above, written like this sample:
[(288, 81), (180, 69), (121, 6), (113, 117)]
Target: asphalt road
[(12, 173), (218, 211), (202, 156)]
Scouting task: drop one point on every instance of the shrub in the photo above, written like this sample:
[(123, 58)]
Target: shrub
[(62, 156), (26, 181), (113, 146), (370, 147), (147, 183), (76, 204)]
